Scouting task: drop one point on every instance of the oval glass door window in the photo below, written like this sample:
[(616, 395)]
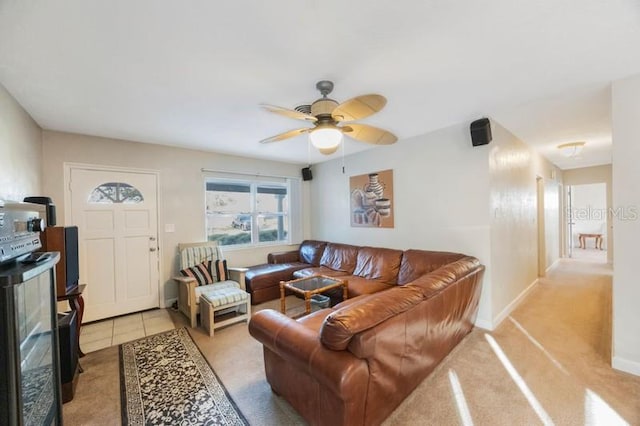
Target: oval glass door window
[(115, 193)]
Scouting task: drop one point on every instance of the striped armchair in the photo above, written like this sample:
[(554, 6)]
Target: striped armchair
[(190, 255)]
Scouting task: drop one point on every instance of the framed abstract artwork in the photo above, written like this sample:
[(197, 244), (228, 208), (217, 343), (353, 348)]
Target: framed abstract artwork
[(372, 199)]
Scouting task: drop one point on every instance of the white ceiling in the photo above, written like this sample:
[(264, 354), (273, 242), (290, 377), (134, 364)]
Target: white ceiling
[(193, 73)]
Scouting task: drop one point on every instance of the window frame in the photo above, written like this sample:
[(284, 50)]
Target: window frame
[(118, 189), (255, 214)]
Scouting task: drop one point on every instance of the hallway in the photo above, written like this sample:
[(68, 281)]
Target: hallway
[(589, 254)]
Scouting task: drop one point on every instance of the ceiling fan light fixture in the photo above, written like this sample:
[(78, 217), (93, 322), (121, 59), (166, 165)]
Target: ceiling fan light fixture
[(326, 139), (327, 116), (328, 151), (571, 149)]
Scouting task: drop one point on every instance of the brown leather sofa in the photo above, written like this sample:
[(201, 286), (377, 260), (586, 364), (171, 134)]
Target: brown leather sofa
[(368, 269), (353, 364)]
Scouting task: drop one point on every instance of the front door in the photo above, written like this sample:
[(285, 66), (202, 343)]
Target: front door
[(117, 214)]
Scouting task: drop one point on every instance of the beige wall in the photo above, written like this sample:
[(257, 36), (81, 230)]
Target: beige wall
[(181, 187), (626, 229), (513, 170), (597, 174), (553, 219), (513, 219), (20, 151), (553, 182)]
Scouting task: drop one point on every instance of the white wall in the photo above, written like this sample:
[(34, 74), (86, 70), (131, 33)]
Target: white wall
[(626, 230), (596, 174), (20, 151), (182, 198)]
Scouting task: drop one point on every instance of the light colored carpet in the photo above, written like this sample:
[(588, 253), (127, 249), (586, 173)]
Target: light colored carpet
[(547, 363)]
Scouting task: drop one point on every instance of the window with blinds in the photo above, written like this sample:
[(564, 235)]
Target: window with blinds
[(245, 212)]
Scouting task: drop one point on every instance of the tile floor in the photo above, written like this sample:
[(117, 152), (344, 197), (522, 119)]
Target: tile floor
[(110, 332)]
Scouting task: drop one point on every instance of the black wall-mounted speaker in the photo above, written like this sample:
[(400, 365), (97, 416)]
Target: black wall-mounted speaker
[(306, 173), (480, 132)]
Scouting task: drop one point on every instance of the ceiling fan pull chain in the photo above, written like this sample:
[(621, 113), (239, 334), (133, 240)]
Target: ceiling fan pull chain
[(343, 143)]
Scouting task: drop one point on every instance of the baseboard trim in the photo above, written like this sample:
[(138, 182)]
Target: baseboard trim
[(553, 265), (484, 324), (513, 305), (631, 367)]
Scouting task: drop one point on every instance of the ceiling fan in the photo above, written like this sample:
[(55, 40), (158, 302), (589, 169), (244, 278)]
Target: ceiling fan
[(326, 115)]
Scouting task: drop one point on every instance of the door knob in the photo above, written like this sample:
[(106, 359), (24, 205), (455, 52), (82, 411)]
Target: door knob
[(152, 238), (152, 249)]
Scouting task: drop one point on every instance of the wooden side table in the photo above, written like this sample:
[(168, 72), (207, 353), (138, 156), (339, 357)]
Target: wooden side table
[(582, 239), (76, 303)]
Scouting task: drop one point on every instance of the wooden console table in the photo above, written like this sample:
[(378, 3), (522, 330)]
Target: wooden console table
[(76, 303), (582, 239)]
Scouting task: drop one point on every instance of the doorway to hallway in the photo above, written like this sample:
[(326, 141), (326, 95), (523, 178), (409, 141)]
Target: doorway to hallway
[(587, 222)]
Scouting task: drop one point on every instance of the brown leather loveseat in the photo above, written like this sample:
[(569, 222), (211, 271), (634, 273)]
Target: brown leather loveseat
[(353, 364)]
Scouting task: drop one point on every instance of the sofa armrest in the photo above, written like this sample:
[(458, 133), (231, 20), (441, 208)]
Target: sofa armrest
[(283, 257), (339, 371), (238, 275)]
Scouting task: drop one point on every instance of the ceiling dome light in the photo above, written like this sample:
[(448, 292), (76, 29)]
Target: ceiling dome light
[(571, 149), (326, 139)]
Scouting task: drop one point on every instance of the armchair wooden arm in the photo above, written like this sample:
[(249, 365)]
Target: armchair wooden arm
[(237, 275), (187, 297)]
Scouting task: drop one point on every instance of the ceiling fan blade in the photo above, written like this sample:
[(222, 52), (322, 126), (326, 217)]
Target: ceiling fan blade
[(289, 112), (369, 134), (286, 135), (359, 107)]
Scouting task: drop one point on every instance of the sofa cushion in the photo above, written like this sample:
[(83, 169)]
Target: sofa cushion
[(340, 326), (359, 286), (268, 275), (283, 257), (315, 319), (340, 257), (416, 263), (318, 270), (380, 264), (311, 251)]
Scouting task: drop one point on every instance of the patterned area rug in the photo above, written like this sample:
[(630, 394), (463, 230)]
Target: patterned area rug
[(164, 379)]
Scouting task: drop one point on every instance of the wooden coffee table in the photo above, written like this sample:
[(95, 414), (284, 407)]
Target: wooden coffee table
[(309, 286)]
